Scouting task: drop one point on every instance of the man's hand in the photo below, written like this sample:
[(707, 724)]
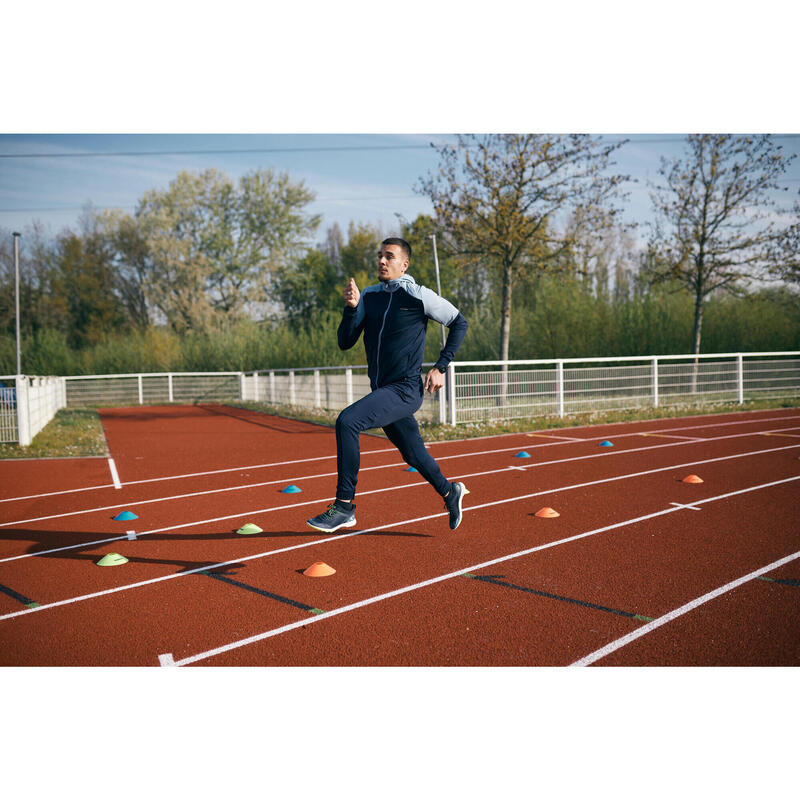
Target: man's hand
[(434, 381), (351, 293)]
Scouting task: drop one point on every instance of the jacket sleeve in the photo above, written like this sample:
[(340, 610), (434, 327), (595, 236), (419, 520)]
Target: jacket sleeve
[(351, 325), (457, 330)]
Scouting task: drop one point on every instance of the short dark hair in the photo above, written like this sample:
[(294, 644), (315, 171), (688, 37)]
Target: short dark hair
[(401, 242)]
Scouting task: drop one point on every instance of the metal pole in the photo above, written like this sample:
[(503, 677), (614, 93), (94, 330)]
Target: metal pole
[(442, 398), (438, 282), (16, 297)]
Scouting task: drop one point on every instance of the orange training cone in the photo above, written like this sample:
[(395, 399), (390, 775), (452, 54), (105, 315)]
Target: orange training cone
[(692, 479), (547, 512), (319, 569)]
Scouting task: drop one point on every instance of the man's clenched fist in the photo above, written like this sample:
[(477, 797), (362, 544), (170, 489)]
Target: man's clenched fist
[(351, 293)]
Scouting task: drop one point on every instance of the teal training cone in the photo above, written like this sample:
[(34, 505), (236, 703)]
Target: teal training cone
[(123, 515), (606, 443), (411, 469), (112, 560), (249, 528), (291, 489), (522, 454)]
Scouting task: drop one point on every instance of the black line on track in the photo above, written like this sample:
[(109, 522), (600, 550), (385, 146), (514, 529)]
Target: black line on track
[(262, 592), (493, 579), (785, 581), (26, 601)]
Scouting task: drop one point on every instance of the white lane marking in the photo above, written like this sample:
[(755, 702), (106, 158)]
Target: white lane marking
[(339, 537), (385, 466), (674, 436), (553, 436), (131, 535), (680, 505), (446, 441), (690, 606), (409, 485), (114, 474), (63, 491), (166, 660), (370, 600)]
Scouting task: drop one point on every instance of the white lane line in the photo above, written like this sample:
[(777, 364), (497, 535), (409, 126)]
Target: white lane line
[(439, 458), (382, 466), (409, 485), (114, 474), (339, 537), (553, 436), (63, 491), (131, 535), (680, 505), (166, 660), (472, 568), (690, 606), (674, 436)]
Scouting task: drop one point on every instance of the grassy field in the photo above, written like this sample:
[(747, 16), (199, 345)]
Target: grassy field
[(75, 433), (72, 433)]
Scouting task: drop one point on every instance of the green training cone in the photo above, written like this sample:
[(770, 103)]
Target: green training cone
[(249, 528), (112, 560)]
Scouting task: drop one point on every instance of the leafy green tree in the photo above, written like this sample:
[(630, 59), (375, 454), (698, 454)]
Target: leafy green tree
[(713, 229), (207, 248)]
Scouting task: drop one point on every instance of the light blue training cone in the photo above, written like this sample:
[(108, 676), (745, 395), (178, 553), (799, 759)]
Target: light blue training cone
[(606, 443), (291, 489), (411, 469), (125, 515), (522, 454)]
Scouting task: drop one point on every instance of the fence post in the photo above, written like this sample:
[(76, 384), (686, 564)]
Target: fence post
[(255, 386), (272, 386), (740, 378), (443, 405), (654, 362), (291, 387), (242, 398), (317, 396), (141, 394), (348, 380), (23, 412), (451, 380), (560, 387), (169, 386)]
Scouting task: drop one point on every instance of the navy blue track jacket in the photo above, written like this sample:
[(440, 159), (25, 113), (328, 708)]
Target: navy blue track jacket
[(394, 317)]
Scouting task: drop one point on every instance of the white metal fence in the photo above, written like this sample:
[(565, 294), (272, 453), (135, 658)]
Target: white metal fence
[(476, 390), (28, 405)]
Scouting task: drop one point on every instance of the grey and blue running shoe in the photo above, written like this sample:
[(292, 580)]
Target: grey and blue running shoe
[(334, 518), (453, 501)]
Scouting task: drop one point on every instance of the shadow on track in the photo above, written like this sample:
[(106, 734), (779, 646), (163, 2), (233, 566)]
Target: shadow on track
[(80, 543)]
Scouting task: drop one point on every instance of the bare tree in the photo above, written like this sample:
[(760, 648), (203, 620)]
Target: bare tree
[(497, 197), (714, 229)]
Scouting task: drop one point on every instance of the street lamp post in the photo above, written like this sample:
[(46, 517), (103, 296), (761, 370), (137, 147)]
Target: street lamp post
[(16, 297)]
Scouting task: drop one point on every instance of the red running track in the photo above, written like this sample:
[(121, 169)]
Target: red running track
[(638, 569)]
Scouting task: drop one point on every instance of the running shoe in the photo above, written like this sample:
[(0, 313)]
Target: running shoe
[(453, 503), (334, 518)]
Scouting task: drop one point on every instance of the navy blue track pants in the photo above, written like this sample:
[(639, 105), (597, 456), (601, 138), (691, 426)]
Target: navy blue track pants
[(392, 408)]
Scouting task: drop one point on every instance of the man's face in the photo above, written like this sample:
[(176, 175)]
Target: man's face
[(392, 262)]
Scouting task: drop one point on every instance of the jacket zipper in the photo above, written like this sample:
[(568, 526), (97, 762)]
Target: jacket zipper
[(380, 333)]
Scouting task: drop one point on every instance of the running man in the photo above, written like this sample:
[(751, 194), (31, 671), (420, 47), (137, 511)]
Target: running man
[(394, 316)]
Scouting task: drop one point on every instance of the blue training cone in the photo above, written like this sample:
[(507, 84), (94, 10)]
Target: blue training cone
[(125, 515), (411, 469), (291, 489), (522, 454), (606, 443)]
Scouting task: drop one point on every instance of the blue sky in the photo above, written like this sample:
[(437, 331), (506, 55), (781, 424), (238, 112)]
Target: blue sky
[(372, 182)]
